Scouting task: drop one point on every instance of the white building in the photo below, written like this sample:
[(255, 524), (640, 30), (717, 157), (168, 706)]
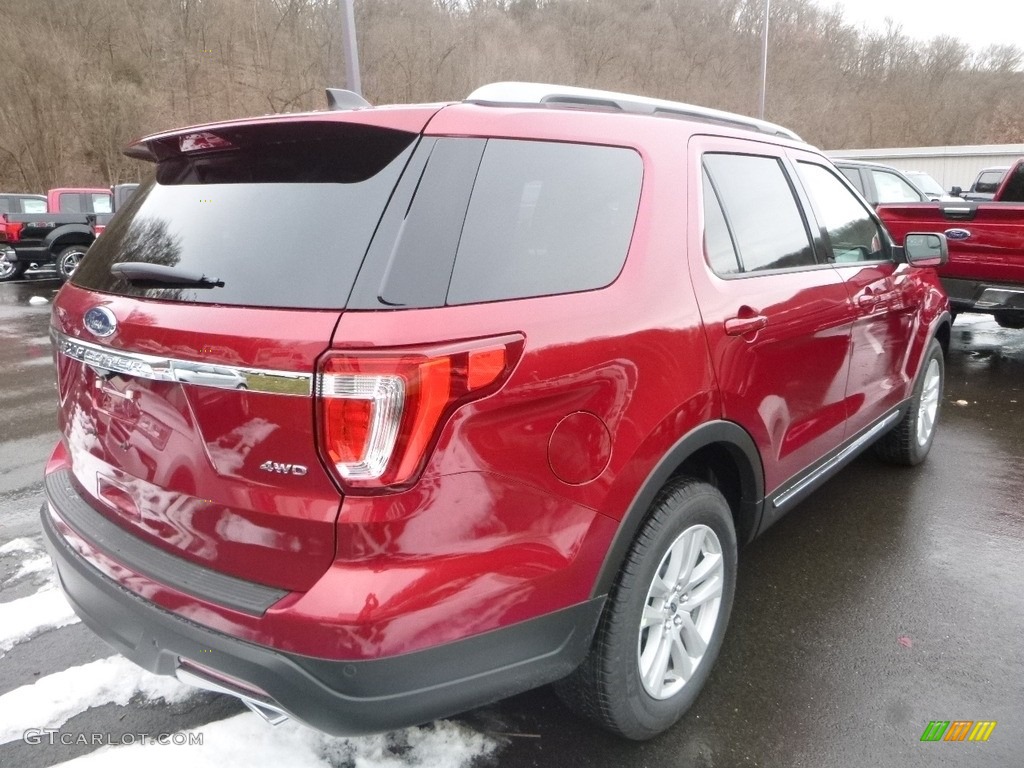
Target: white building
[(950, 166)]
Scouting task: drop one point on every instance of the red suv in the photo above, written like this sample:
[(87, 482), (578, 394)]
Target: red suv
[(371, 416)]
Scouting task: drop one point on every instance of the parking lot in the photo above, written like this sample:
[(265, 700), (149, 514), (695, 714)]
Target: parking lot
[(889, 599)]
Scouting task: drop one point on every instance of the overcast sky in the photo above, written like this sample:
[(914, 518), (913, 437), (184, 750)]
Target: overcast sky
[(976, 22)]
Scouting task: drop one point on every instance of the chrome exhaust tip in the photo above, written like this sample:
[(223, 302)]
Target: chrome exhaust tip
[(265, 708)]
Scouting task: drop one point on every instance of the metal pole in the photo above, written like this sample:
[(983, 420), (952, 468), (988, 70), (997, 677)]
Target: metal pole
[(764, 59), (348, 42)]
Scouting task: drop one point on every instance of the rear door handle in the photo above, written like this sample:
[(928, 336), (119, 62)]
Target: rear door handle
[(739, 326)]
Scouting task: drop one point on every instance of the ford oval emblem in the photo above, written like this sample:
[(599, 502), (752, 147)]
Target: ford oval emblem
[(958, 234), (100, 321)]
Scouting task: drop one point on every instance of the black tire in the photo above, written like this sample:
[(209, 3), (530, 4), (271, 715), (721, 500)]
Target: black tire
[(608, 688), (11, 270), (904, 443), (68, 260), (1011, 320)]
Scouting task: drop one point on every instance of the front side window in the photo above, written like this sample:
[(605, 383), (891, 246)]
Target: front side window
[(767, 226), (31, 205), (892, 189), (852, 231)]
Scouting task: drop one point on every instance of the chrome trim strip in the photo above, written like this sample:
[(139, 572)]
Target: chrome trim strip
[(784, 498), (155, 368)]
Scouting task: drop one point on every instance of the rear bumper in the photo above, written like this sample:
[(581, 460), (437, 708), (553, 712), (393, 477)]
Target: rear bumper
[(32, 255), (338, 697), (983, 296)]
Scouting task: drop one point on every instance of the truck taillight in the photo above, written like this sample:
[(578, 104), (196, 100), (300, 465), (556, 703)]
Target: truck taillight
[(10, 230), (380, 412), (97, 229)]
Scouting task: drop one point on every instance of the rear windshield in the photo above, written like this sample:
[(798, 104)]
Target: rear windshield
[(280, 224), (368, 218)]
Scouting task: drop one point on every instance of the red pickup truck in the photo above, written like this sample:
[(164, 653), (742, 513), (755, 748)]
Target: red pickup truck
[(985, 272)]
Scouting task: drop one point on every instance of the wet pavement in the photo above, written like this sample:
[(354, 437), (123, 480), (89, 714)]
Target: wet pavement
[(890, 598)]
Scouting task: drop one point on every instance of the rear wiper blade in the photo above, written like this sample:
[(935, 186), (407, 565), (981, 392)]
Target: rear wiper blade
[(146, 275)]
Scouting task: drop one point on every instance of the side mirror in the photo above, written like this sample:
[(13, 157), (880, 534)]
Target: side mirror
[(926, 249), (956, 191)]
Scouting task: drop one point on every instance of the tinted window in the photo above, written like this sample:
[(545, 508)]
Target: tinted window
[(892, 189), (420, 264), (283, 223), (718, 247), (766, 223), (852, 232), (70, 203), (546, 218)]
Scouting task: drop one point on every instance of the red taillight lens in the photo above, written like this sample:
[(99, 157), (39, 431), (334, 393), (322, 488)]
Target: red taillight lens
[(380, 412), (97, 229), (10, 230)]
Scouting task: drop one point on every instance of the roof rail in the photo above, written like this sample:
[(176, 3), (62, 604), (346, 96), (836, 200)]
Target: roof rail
[(339, 98), (568, 95)]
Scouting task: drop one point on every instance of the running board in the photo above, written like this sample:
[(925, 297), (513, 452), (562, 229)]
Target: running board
[(819, 474)]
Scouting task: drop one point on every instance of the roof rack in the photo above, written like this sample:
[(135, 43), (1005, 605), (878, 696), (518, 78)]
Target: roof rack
[(543, 93)]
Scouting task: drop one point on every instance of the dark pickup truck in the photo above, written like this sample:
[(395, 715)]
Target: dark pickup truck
[(62, 239), (985, 272)]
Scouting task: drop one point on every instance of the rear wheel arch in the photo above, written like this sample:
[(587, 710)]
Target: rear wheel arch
[(721, 453)]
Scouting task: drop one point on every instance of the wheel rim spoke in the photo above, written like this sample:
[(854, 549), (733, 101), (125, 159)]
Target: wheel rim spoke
[(709, 590), (682, 662), (694, 643), (709, 566), (655, 677), (652, 617)]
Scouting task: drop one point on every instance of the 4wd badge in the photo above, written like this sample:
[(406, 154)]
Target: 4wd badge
[(283, 469)]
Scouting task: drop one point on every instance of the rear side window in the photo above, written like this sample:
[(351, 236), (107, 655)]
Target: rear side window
[(761, 209), (282, 221), (70, 202), (546, 218), (718, 246), (31, 205)]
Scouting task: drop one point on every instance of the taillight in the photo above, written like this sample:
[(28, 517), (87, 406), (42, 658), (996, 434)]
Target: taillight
[(10, 230), (380, 412), (97, 229)]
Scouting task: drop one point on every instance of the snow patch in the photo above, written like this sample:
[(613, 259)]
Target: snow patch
[(28, 567), (53, 700), (247, 740), (19, 545), (21, 619)]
